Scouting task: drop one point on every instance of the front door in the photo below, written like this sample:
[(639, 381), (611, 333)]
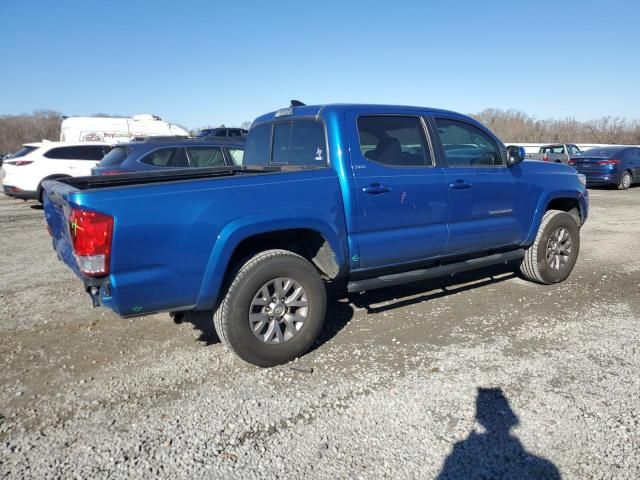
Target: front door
[(401, 194), (489, 201)]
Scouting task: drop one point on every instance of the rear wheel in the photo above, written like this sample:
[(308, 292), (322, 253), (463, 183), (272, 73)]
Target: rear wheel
[(553, 254), (273, 308), (625, 181)]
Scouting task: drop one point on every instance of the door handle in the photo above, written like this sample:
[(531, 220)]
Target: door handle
[(376, 189), (460, 185)]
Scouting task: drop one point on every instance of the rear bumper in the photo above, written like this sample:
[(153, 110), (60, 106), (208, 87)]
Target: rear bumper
[(16, 192), (603, 179)]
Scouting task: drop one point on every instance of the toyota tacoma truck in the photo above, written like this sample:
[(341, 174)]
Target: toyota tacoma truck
[(555, 153), (358, 196)]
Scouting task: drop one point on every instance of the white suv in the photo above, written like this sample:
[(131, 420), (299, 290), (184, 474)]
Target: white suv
[(34, 162)]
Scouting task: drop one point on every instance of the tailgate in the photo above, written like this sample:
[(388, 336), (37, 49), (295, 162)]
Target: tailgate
[(56, 211)]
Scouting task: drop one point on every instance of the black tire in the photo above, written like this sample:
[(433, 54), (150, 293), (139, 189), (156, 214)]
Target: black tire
[(625, 181), (231, 318), (535, 266)]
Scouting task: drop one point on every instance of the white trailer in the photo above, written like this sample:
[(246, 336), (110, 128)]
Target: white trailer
[(116, 129)]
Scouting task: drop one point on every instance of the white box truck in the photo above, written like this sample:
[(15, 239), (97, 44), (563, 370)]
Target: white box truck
[(116, 129)]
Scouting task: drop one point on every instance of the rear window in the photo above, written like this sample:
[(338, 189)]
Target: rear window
[(85, 152), (26, 150), (297, 143), (114, 158)]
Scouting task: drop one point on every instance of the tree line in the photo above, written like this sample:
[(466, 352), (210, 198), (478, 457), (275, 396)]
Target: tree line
[(516, 126), (509, 125)]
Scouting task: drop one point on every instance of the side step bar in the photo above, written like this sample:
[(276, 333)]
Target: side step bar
[(433, 272)]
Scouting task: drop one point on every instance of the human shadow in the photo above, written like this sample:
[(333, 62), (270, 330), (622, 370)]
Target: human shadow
[(495, 453)]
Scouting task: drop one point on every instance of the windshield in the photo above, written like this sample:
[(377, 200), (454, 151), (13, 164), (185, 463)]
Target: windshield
[(26, 150), (114, 158)]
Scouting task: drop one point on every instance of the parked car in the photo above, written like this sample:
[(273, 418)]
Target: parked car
[(619, 166), (116, 129), (362, 196), (222, 132), (156, 155), (557, 153), (26, 169)]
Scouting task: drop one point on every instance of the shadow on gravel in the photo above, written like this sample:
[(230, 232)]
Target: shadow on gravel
[(37, 206), (340, 310), (202, 321), (495, 453), (461, 282)]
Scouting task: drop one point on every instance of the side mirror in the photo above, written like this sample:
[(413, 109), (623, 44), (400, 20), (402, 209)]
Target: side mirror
[(515, 155)]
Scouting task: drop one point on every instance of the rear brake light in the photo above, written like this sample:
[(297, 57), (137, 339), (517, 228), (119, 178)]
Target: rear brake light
[(111, 172), (91, 235), (572, 161), (20, 163), (609, 162), (545, 158)]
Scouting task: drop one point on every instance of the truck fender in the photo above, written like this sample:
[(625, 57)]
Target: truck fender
[(545, 199), (233, 233)]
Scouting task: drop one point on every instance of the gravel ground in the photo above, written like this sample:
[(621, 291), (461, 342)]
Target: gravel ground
[(480, 376)]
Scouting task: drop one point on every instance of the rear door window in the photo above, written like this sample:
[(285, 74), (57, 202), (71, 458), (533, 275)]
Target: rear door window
[(397, 141), (205, 156), (167, 157), (465, 145)]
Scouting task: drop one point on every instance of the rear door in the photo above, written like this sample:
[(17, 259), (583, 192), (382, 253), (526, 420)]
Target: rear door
[(488, 200), (401, 192)]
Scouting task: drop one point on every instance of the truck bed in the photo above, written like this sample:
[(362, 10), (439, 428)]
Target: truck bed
[(162, 176)]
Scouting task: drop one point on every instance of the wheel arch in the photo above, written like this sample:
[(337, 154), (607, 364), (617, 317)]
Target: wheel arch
[(53, 176), (311, 239), (572, 202)]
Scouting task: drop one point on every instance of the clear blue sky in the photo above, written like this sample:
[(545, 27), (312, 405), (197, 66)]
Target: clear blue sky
[(211, 62)]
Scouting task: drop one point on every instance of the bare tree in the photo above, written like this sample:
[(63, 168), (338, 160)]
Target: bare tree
[(15, 130)]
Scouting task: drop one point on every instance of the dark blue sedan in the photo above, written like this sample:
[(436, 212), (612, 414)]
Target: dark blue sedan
[(156, 154), (619, 166)]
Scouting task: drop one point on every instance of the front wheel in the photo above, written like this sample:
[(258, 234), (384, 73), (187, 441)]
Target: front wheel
[(273, 308), (625, 181), (553, 254)]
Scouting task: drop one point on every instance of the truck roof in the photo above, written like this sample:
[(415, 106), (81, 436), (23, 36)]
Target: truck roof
[(313, 110)]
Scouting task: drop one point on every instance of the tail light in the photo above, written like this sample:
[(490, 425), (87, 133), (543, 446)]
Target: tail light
[(572, 161), (20, 163), (545, 158), (609, 162), (111, 172), (91, 235)]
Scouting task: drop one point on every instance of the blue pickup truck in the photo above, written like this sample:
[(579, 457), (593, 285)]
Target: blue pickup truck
[(360, 196)]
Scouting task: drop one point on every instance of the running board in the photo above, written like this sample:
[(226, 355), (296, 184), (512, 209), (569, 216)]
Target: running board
[(433, 272)]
